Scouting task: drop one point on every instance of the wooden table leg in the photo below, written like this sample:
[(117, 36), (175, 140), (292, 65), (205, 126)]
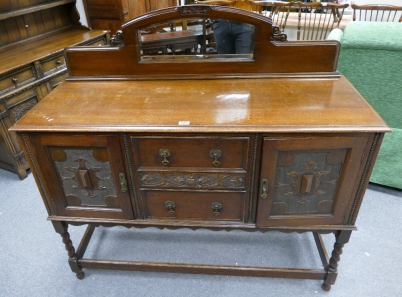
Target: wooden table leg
[(341, 237), (61, 228)]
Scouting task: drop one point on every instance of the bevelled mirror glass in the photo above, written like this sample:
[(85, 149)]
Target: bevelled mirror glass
[(196, 39)]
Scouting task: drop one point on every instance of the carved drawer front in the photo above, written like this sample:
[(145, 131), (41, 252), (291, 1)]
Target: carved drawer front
[(183, 205), (17, 79), (309, 180), (18, 105), (51, 65), (88, 177), (206, 153)]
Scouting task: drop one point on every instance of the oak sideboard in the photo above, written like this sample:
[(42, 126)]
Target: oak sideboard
[(274, 139)]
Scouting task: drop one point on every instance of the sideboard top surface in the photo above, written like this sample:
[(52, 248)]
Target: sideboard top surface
[(224, 105)]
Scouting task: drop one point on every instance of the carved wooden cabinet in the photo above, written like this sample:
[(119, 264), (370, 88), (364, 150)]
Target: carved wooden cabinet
[(276, 145), (32, 40)]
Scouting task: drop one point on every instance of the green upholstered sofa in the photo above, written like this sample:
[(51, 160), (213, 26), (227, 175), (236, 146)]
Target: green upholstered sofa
[(371, 59)]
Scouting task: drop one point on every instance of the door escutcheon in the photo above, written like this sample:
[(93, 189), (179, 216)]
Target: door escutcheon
[(123, 182), (264, 188)]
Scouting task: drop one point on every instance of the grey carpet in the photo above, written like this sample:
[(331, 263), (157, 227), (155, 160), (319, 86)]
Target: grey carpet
[(33, 261)]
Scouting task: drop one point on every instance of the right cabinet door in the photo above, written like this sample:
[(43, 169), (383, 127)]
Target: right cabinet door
[(308, 181)]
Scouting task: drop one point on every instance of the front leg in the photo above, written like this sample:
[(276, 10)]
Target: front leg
[(61, 228), (341, 237)]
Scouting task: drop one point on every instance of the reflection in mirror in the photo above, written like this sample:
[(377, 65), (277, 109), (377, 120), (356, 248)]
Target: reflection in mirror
[(197, 38)]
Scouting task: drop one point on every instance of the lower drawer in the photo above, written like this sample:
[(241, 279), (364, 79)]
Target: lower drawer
[(186, 205)]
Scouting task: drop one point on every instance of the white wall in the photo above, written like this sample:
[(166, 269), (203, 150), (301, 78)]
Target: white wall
[(81, 10)]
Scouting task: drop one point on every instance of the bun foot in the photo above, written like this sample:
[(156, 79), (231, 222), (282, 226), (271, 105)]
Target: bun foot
[(80, 275), (326, 287)]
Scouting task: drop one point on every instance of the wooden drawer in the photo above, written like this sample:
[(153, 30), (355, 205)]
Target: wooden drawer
[(16, 79), (54, 62), (185, 205), (54, 82), (191, 152), (18, 105), (96, 42)]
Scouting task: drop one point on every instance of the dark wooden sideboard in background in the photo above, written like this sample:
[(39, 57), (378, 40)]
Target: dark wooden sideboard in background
[(33, 36)]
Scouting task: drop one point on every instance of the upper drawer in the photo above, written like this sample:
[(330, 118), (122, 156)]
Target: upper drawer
[(208, 153), (96, 42), (53, 63), (16, 79)]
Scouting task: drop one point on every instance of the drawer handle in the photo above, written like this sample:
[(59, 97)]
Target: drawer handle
[(216, 206), (14, 80), (123, 182), (264, 188), (164, 153), (170, 205), (58, 62), (216, 154)]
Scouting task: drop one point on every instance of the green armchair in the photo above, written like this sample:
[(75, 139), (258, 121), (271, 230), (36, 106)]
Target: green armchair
[(371, 59)]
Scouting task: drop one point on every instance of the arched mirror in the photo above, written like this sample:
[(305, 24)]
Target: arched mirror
[(195, 38)]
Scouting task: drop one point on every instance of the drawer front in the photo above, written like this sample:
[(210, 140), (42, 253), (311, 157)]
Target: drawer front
[(54, 82), (207, 153), (56, 62), (17, 79), (96, 42), (18, 105), (186, 205)]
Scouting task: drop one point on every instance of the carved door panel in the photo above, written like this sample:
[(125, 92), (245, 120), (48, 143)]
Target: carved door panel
[(85, 175), (308, 181)]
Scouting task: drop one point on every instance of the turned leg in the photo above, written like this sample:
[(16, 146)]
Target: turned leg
[(61, 228), (342, 237)]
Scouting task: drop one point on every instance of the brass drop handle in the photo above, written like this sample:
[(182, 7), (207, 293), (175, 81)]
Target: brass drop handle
[(216, 206), (123, 182), (264, 188), (216, 154), (164, 153), (170, 205)]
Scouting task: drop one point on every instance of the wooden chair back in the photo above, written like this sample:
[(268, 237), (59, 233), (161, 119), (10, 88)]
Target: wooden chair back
[(317, 19), (277, 11), (376, 13)]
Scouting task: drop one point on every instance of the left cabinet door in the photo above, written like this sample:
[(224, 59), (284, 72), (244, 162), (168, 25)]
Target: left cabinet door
[(84, 174)]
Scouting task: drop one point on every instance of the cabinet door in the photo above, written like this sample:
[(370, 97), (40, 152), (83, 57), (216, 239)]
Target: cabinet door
[(310, 180), (84, 175)]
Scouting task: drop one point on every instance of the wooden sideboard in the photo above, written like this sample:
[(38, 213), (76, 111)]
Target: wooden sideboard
[(252, 142), (32, 40)]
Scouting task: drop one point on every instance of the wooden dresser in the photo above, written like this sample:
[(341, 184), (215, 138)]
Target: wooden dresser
[(32, 40), (271, 140)]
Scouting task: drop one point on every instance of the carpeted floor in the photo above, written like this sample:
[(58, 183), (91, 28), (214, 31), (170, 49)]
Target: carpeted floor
[(33, 261)]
